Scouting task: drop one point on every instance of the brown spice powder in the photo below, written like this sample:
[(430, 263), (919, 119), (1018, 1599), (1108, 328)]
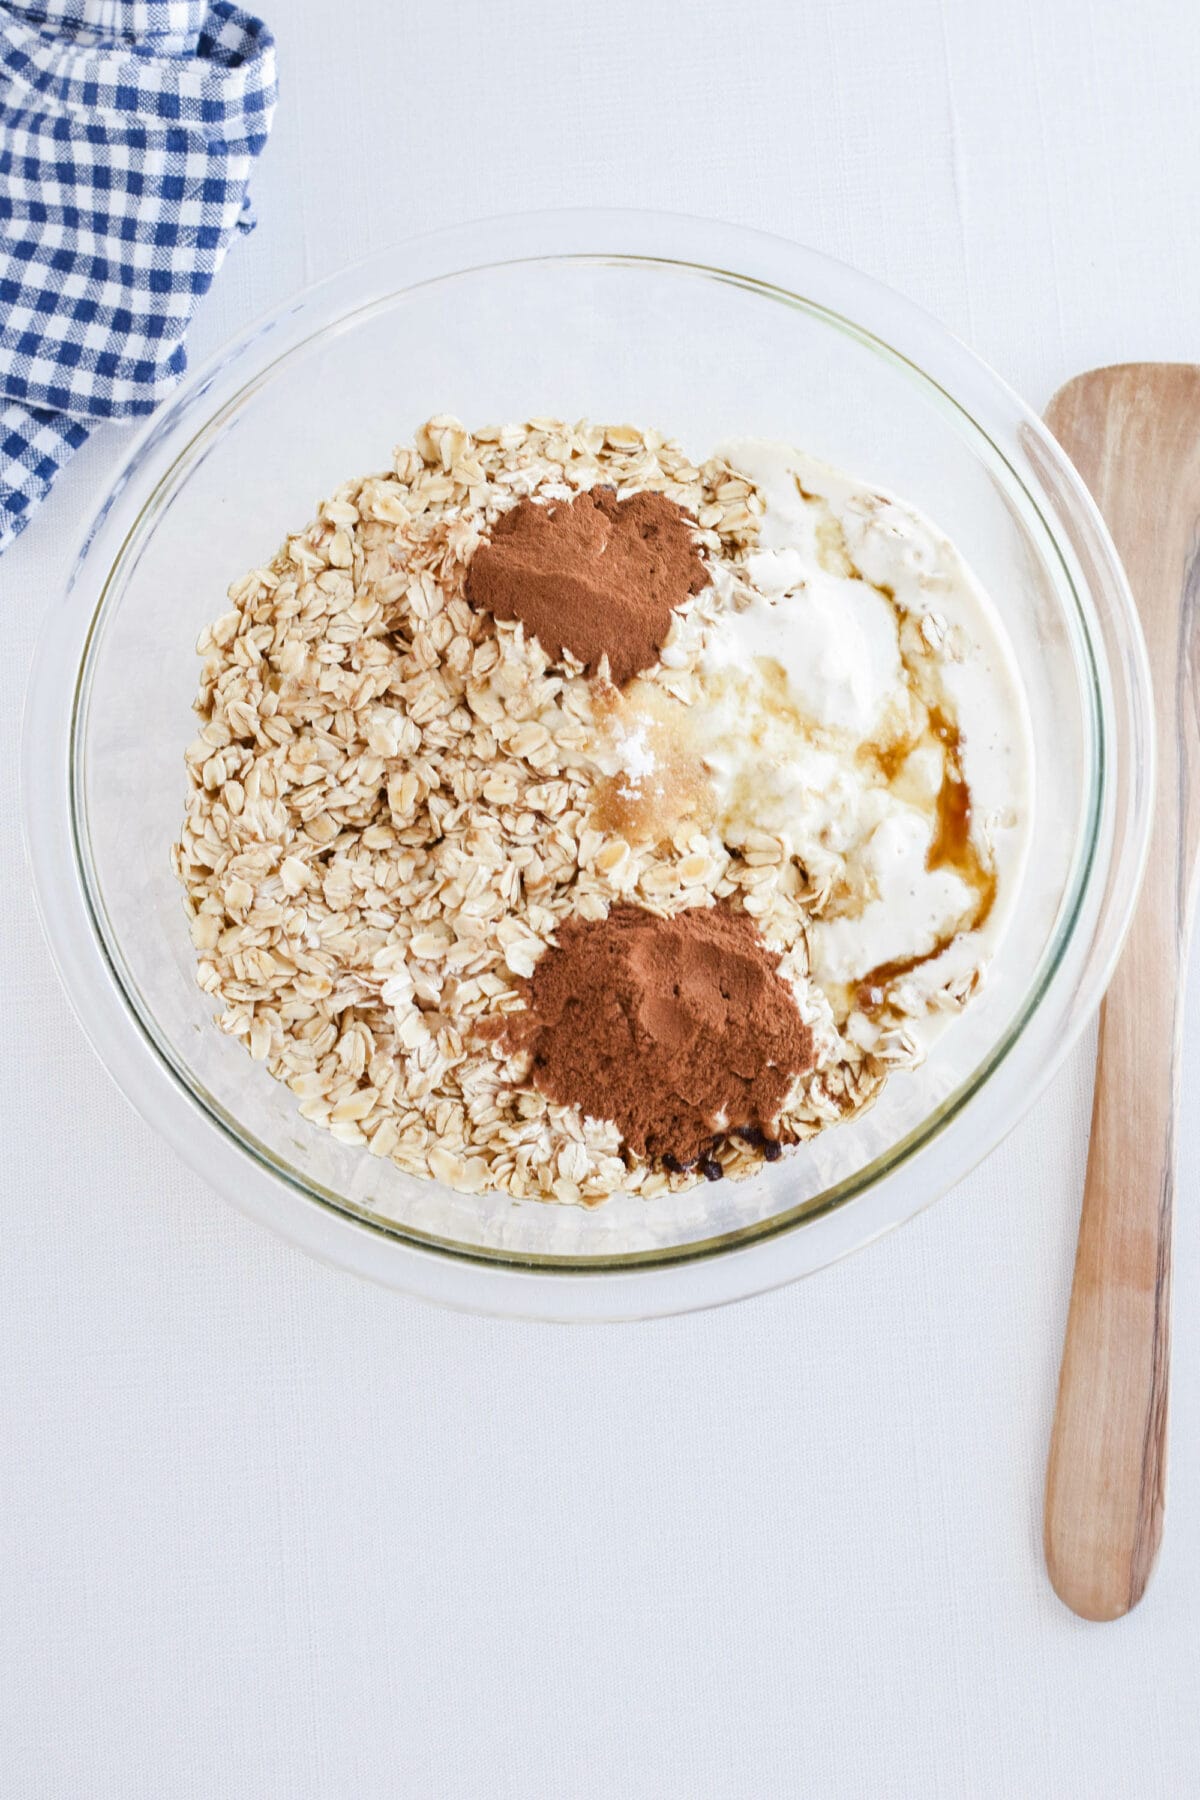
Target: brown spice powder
[(680, 1029), (595, 575)]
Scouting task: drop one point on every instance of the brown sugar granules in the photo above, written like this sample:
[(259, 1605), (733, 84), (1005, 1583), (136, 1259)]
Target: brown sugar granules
[(594, 575), (679, 1030)]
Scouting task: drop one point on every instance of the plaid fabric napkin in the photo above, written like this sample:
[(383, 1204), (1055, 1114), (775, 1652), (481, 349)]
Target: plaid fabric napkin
[(127, 133)]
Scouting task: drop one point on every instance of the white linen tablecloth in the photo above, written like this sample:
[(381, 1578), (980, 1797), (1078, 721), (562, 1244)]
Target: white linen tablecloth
[(272, 1534)]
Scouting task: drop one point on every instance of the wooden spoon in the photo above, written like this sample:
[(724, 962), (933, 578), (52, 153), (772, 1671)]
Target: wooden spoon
[(1133, 432)]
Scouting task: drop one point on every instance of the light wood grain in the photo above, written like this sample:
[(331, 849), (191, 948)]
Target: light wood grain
[(1134, 434)]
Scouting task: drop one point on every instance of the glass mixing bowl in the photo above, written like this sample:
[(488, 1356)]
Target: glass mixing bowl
[(704, 331)]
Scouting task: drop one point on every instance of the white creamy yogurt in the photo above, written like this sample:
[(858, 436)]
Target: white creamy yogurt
[(835, 640), (857, 616), (915, 910)]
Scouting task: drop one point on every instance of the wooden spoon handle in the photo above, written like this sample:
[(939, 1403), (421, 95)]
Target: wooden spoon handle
[(1134, 433), (1106, 1478)]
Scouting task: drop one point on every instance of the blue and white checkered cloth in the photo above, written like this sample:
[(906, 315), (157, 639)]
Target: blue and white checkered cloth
[(128, 129)]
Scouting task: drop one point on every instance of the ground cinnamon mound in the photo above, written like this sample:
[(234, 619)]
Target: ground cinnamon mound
[(679, 1030), (594, 575)]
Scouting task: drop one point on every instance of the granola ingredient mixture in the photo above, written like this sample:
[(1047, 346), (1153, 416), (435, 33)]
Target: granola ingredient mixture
[(412, 801), (678, 1029)]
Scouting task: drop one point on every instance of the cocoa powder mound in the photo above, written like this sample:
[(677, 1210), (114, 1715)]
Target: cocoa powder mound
[(594, 575), (680, 1030)]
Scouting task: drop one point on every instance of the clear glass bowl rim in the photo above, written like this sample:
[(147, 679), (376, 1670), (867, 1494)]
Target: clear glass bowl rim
[(727, 1269)]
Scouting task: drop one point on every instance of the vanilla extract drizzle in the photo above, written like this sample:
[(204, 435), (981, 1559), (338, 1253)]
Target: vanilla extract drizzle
[(953, 846)]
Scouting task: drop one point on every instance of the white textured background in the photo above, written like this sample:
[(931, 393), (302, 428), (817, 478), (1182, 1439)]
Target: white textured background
[(268, 1534)]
